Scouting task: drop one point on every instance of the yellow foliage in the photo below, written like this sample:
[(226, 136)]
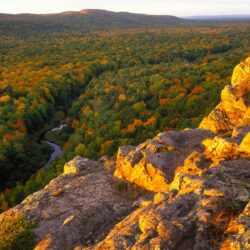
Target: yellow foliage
[(15, 233), (4, 98), (122, 97)]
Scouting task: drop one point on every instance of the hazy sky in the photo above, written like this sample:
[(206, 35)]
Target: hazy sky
[(171, 7)]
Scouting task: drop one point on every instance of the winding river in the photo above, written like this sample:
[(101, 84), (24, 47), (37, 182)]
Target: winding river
[(57, 149), (57, 152)]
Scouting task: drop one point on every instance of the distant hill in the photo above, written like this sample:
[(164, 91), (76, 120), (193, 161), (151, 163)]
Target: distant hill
[(84, 20), (220, 17)]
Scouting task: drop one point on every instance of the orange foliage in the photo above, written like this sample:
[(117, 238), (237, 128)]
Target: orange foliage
[(177, 88), (169, 129), (150, 121), (106, 145), (4, 98), (21, 126), (138, 122), (163, 101), (83, 125), (110, 87), (177, 81), (122, 97), (75, 124), (90, 132), (86, 110), (197, 90), (7, 137), (132, 127)]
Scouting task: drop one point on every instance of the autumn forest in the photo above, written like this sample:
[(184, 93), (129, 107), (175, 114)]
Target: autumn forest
[(109, 88)]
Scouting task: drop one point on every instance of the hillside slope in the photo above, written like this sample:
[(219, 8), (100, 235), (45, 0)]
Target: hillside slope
[(197, 183), (85, 20)]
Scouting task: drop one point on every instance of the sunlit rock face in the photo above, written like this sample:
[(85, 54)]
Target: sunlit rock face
[(205, 206), (195, 215), (241, 72), (205, 190), (245, 144), (152, 164), (237, 234), (234, 109)]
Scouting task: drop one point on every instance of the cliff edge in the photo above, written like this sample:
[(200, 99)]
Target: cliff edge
[(196, 189)]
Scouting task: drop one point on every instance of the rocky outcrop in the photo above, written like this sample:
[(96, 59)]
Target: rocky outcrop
[(234, 109), (199, 187), (81, 166), (205, 206), (241, 72), (195, 218), (78, 207), (152, 164), (204, 188)]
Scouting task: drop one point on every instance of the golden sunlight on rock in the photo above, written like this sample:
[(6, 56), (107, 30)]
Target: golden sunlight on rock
[(44, 244), (219, 148), (152, 164), (159, 197), (184, 183), (67, 220), (233, 111), (213, 192), (238, 232), (241, 72), (245, 144), (194, 164)]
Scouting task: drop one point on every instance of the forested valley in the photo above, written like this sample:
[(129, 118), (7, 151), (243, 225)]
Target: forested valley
[(116, 88)]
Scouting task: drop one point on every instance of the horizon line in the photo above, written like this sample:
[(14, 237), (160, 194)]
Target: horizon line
[(124, 11)]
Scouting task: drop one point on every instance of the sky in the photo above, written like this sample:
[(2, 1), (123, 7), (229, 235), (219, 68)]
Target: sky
[(168, 7)]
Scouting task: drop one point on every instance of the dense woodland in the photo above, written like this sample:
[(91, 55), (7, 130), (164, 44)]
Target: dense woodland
[(83, 21), (119, 87)]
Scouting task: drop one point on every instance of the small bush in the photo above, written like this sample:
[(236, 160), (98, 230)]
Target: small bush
[(15, 234)]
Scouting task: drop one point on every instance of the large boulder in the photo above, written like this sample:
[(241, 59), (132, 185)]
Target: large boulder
[(152, 164), (234, 108), (200, 212), (80, 165)]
